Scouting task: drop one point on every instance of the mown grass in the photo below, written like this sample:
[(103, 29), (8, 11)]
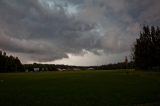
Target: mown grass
[(84, 88)]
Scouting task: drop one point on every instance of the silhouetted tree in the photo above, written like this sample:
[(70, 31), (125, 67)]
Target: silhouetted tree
[(146, 51), (9, 63)]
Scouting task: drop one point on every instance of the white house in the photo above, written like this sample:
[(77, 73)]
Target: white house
[(36, 69)]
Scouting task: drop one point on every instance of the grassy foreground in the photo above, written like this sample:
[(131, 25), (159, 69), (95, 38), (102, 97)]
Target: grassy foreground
[(85, 88)]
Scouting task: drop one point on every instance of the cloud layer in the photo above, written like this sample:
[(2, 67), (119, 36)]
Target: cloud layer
[(48, 30)]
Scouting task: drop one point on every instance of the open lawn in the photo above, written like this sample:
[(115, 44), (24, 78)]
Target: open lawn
[(84, 88)]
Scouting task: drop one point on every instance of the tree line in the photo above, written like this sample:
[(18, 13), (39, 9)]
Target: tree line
[(52, 67), (9, 63), (120, 65)]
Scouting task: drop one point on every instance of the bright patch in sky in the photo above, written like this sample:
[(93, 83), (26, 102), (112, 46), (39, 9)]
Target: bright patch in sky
[(71, 9), (88, 58), (60, 5)]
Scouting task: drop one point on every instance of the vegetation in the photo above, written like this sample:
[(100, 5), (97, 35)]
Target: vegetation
[(9, 63), (120, 65), (81, 88), (146, 51)]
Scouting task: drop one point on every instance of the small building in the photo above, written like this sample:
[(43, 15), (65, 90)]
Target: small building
[(36, 69), (60, 69)]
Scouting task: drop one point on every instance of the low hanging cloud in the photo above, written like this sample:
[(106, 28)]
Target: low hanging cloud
[(49, 30)]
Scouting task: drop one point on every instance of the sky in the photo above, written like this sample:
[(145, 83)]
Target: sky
[(74, 32)]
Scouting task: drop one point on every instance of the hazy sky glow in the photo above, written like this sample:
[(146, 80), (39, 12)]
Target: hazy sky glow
[(74, 32)]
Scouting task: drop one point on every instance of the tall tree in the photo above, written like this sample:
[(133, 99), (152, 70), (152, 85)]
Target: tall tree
[(146, 52), (9, 63)]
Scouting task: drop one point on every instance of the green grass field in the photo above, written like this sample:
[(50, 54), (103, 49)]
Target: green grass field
[(85, 88)]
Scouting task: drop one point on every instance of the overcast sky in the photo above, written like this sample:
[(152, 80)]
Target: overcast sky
[(74, 32)]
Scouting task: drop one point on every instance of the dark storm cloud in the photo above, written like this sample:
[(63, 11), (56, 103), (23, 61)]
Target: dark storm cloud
[(46, 30)]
